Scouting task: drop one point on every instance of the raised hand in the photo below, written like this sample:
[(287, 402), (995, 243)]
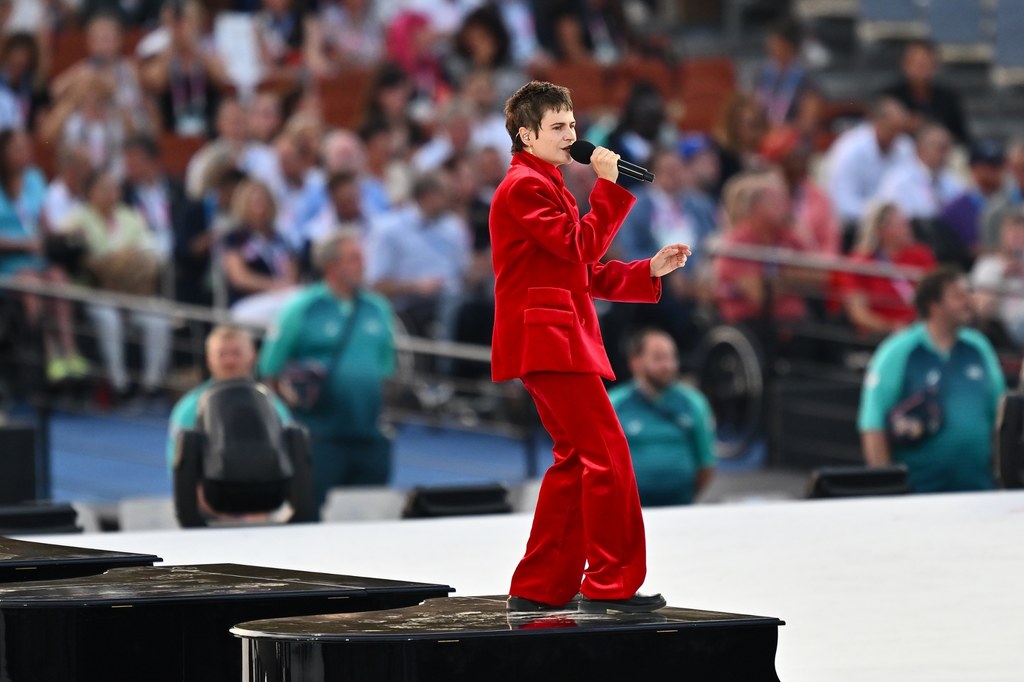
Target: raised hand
[(669, 259)]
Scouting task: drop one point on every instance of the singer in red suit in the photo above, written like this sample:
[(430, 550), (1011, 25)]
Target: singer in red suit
[(588, 532)]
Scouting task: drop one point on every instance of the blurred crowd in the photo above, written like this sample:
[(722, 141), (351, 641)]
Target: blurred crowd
[(243, 82)]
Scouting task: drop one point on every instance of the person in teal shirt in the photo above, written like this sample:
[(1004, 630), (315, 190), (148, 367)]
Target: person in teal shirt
[(230, 354), (346, 442), (669, 425), (959, 367)]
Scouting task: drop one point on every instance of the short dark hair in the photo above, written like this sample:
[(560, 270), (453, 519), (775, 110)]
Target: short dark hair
[(527, 107), (341, 178), (637, 341), (789, 30), (931, 289), (925, 44)]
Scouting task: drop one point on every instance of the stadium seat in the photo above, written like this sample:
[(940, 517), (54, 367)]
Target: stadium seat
[(344, 97), (892, 20), (177, 151), (1008, 63), (826, 9), (707, 84), (962, 29), (588, 82)]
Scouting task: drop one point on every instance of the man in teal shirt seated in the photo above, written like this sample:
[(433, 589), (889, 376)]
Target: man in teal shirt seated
[(939, 356), (347, 445), (230, 354), (669, 425)]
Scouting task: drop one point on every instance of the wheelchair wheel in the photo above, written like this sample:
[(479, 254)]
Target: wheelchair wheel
[(731, 375)]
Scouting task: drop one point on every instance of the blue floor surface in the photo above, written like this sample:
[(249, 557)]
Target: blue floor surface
[(104, 458)]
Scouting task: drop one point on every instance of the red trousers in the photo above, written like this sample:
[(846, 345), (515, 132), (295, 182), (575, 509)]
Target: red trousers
[(587, 526)]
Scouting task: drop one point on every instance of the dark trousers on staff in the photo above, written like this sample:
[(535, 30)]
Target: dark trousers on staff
[(588, 523)]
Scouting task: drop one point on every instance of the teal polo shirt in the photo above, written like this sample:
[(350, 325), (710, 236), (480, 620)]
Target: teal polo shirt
[(671, 438), (309, 328), (183, 416), (971, 383)]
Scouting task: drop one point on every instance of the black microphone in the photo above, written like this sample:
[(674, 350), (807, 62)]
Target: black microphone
[(581, 151)]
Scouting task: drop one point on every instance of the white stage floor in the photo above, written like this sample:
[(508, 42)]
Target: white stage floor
[(925, 588)]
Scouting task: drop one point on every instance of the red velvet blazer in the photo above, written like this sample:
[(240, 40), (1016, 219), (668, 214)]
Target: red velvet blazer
[(547, 271)]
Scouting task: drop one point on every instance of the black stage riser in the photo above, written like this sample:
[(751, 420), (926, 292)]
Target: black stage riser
[(699, 655)]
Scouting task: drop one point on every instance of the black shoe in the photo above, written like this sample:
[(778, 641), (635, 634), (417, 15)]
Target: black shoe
[(638, 603), (524, 604)]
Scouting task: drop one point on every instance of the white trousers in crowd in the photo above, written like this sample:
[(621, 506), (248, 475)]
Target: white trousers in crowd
[(156, 344)]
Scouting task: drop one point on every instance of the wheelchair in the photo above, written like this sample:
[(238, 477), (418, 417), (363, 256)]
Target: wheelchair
[(241, 459)]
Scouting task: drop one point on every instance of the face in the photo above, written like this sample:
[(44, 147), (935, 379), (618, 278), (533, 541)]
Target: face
[(1012, 238), (552, 141), (18, 63), (779, 50), (751, 128), (670, 173), (988, 177), (259, 212), (434, 202), (137, 165), (706, 169), (231, 121), (264, 117), (954, 307), (896, 233), (230, 357), (347, 268), (104, 192), (346, 200), (104, 39), (771, 209), (919, 65), (934, 148), (658, 363)]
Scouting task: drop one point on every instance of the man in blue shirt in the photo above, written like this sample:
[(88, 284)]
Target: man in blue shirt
[(937, 360), (669, 425)]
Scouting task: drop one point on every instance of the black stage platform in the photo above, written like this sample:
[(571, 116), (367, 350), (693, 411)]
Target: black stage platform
[(167, 623), (22, 560), (475, 638)]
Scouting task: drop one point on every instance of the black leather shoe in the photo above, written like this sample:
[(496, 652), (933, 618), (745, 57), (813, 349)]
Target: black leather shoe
[(524, 604), (638, 603)]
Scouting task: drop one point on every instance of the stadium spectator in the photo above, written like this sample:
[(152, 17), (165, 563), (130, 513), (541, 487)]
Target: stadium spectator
[(488, 119), (264, 118), (963, 215), (121, 256), (201, 224), (483, 44), (232, 139), (418, 256), (762, 294), (346, 33), (925, 98), (1009, 199), (814, 221), (883, 304), (641, 128), (698, 152), (668, 425), (23, 94), (368, 157), (998, 281), (184, 78), (255, 258), (65, 194), (923, 188), (105, 66), (390, 102), (147, 188), (230, 354), (415, 44), (451, 143), (298, 185), (589, 30), (931, 394), (349, 331), (738, 135), (22, 192), (343, 211), (281, 27), (783, 85), (862, 156)]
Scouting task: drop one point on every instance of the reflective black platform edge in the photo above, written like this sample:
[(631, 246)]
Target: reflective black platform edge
[(475, 638)]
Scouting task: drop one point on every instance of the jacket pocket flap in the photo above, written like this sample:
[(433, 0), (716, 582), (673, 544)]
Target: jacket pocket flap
[(549, 297), (548, 316)]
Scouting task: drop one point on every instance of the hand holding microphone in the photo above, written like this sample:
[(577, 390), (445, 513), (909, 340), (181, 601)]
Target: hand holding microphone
[(585, 152)]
